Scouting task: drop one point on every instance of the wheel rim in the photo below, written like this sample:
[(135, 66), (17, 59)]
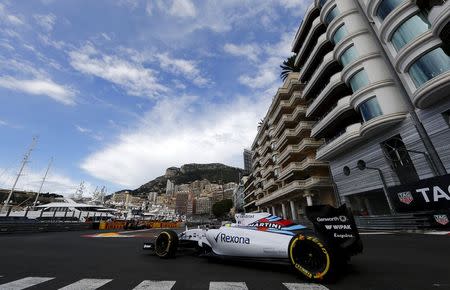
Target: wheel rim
[(162, 243), (310, 256)]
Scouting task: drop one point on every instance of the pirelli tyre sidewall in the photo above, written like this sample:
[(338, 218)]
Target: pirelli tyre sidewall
[(166, 244), (304, 247)]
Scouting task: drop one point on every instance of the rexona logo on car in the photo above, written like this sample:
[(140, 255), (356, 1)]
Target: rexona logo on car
[(231, 239)]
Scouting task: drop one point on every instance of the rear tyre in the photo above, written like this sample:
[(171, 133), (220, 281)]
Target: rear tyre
[(166, 244), (311, 257)]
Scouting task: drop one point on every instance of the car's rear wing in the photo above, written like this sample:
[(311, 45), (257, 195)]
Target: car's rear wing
[(336, 226)]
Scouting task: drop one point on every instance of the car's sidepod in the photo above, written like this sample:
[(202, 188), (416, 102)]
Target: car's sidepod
[(243, 242)]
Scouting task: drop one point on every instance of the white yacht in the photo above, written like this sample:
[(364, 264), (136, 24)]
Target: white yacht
[(68, 210)]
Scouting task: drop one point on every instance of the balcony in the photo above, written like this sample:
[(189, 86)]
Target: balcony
[(322, 46), (340, 142), (289, 118), (317, 28), (381, 123), (306, 143), (341, 107), (266, 171), (301, 166), (270, 183), (285, 106), (333, 84), (311, 13), (294, 188), (295, 133)]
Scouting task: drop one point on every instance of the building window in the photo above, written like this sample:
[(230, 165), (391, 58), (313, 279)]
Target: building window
[(322, 2), (386, 7), (429, 66), (339, 34), (359, 80), (410, 29), (331, 15), (349, 55), (370, 109), (446, 116)]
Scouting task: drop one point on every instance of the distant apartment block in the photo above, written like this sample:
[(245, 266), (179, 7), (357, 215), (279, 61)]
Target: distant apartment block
[(247, 161), (286, 175), (377, 83)]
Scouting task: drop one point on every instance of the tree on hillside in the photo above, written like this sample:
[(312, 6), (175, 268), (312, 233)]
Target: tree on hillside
[(288, 66), (221, 208)]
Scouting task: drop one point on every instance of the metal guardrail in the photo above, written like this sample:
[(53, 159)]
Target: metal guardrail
[(397, 222), (35, 226)]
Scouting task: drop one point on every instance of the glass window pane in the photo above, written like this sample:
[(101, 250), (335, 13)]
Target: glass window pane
[(359, 80), (339, 34), (349, 55), (430, 65), (322, 2), (386, 6), (409, 30), (331, 15), (370, 109)]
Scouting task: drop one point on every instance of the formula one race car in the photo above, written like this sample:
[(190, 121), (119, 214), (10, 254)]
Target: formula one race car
[(315, 253)]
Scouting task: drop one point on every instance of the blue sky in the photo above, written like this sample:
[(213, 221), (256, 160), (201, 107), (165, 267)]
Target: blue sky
[(118, 91)]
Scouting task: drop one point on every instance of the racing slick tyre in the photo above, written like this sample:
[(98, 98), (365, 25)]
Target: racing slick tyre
[(311, 257), (166, 244)]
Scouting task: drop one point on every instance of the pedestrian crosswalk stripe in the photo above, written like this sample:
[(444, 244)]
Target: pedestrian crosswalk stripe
[(227, 286), (24, 283), (155, 285), (303, 286), (86, 284)]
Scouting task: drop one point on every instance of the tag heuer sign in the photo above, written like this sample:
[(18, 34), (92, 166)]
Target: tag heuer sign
[(405, 197), (441, 218)]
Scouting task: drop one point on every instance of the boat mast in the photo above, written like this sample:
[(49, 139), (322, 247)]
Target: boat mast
[(24, 162), (43, 181)]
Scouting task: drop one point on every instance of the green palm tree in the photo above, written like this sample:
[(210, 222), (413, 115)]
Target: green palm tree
[(288, 66)]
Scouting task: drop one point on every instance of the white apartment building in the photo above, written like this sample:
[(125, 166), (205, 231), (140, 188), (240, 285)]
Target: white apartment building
[(377, 81), (285, 174)]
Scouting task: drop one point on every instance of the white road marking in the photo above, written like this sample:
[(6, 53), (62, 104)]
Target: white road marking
[(303, 286), (155, 285), (437, 233), (24, 283), (227, 286), (87, 284)]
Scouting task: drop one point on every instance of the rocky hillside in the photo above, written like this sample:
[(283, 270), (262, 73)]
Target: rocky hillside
[(214, 172)]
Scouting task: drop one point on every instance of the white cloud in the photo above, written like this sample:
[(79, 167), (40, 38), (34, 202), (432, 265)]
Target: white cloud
[(45, 21), (9, 18), (82, 129), (44, 87), (177, 131), (89, 132), (182, 8), (3, 123), (32, 179), (267, 71), (250, 51), (187, 68), (129, 74)]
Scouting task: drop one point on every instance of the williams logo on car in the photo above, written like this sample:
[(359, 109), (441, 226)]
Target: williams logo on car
[(441, 219), (221, 237), (405, 197)]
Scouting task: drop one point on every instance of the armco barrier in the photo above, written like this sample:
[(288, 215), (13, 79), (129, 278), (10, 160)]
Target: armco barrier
[(30, 227)]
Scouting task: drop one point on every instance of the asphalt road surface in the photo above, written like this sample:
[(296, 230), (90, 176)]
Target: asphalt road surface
[(72, 260)]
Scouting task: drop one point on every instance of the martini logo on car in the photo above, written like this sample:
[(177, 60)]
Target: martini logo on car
[(265, 225), (405, 197), (231, 239), (441, 219)]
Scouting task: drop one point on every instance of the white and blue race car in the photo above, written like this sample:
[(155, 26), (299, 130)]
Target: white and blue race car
[(315, 253)]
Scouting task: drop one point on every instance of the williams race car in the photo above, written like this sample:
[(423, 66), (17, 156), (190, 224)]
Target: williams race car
[(314, 253)]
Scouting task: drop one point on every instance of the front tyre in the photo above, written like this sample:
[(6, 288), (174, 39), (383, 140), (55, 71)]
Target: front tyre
[(166, 244), (311, 257)]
